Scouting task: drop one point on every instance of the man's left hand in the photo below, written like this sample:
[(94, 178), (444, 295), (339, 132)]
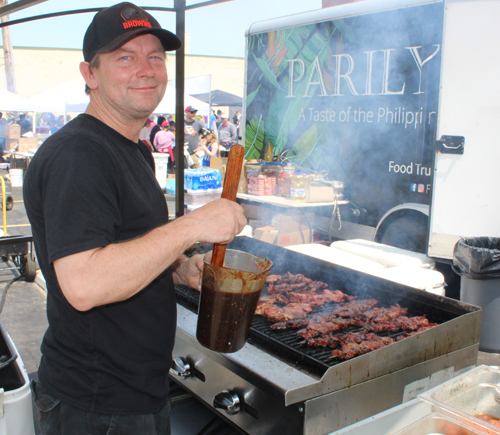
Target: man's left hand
[(188, 271)]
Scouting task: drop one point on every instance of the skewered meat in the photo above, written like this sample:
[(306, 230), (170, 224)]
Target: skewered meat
[(270, 302), (293, 302), (402, 323), (385, 314), (353, 308), (288, 312), (335, 340), (350, 350), (334, 325), (291, 324)]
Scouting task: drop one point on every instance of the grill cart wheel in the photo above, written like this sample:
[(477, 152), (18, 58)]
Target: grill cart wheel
[(9, 203), (29, 268)]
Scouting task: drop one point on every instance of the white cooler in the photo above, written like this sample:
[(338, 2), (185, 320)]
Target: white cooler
[(394, 264), (16, 412)]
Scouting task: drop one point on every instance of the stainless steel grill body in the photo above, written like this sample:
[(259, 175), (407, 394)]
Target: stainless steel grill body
[(278, 394)]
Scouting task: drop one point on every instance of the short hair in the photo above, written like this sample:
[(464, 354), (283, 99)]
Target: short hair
[(94, 63)]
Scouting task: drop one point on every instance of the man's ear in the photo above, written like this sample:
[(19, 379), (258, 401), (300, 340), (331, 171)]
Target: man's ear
[(88, 75)]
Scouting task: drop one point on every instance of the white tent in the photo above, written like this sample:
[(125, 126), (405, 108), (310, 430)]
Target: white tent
[(13, 102), (167, 105), (57, 99)]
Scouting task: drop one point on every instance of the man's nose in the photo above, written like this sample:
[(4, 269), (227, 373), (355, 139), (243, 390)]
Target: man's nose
[(145, 67)]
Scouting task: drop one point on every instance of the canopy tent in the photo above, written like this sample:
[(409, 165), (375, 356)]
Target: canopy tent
[(167, 105), (13, 103), (66, 97), (220, 98)]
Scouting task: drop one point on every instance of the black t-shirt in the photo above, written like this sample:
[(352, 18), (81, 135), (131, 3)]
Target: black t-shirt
[(86, 187)]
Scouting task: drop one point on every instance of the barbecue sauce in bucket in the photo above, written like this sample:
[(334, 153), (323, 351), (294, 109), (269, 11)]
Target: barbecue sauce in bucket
[(228, 300)]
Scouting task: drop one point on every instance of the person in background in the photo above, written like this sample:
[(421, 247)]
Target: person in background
[(219, 114), (165, 142), (236, 118), (60, 121), (210, 145), (146, 133), (212, 121), (26, 126), (192, 131), (156, 128), (227, 133), (107, 250), (53, 125), (11, 118)]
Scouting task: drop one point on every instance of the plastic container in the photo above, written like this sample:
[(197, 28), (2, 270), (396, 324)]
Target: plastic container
[(477, 260), (285, 181), (198, 197), (464, 398), (229, 297), (16, 177), (437, 424), (16, 417), (298, 187), (161, 164)]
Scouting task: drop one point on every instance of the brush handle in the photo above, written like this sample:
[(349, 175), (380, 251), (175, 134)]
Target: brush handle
[(230, 190)]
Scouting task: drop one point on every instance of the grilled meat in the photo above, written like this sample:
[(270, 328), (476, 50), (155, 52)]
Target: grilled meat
[(354, 308), (325, 328), (288, 312), (352, 349), (291, 324), (402, 323)]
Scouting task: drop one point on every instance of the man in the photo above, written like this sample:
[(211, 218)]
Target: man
[(108, 254), (192, 131), (227, 132)]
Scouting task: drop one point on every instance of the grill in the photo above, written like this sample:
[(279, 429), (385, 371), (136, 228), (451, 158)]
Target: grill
[(279, 385)]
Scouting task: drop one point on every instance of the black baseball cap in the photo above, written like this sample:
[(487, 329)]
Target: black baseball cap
[(114, 26)]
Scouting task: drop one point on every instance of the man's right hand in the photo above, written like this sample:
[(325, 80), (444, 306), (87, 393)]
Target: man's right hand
[(219, 221)]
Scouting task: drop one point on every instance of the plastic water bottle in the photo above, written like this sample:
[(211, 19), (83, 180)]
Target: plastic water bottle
[(196, 180)]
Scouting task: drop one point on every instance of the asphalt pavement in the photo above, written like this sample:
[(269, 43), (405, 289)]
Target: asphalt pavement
[(23, 317)]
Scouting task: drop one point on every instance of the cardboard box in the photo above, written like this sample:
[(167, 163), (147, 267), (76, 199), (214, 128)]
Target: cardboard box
[(27, 144), (287, 223), (272, 235), (301, 237), (266, 234), (11, 144), (319, 191), (12, 131)]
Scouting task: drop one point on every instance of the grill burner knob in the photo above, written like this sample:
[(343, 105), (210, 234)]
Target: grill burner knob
[(228, 401), (181, 368)]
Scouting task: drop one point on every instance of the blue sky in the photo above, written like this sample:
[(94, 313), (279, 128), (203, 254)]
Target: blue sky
[(217, 30)]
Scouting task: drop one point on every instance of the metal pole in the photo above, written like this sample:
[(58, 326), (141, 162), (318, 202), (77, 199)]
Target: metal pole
[(180, 11), (8, 54)]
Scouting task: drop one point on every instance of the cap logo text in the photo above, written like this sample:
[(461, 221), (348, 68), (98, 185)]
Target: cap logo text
[(134, 18)]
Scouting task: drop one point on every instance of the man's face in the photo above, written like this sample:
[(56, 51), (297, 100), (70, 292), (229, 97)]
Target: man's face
[(190, 116), (224, 121), (131, 80)]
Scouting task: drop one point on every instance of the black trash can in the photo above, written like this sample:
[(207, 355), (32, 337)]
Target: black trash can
[(477, 261)]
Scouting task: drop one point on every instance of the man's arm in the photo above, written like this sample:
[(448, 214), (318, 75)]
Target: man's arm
[(120, 270)]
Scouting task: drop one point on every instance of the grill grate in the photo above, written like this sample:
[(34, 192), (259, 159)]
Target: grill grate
[(285, 342)]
